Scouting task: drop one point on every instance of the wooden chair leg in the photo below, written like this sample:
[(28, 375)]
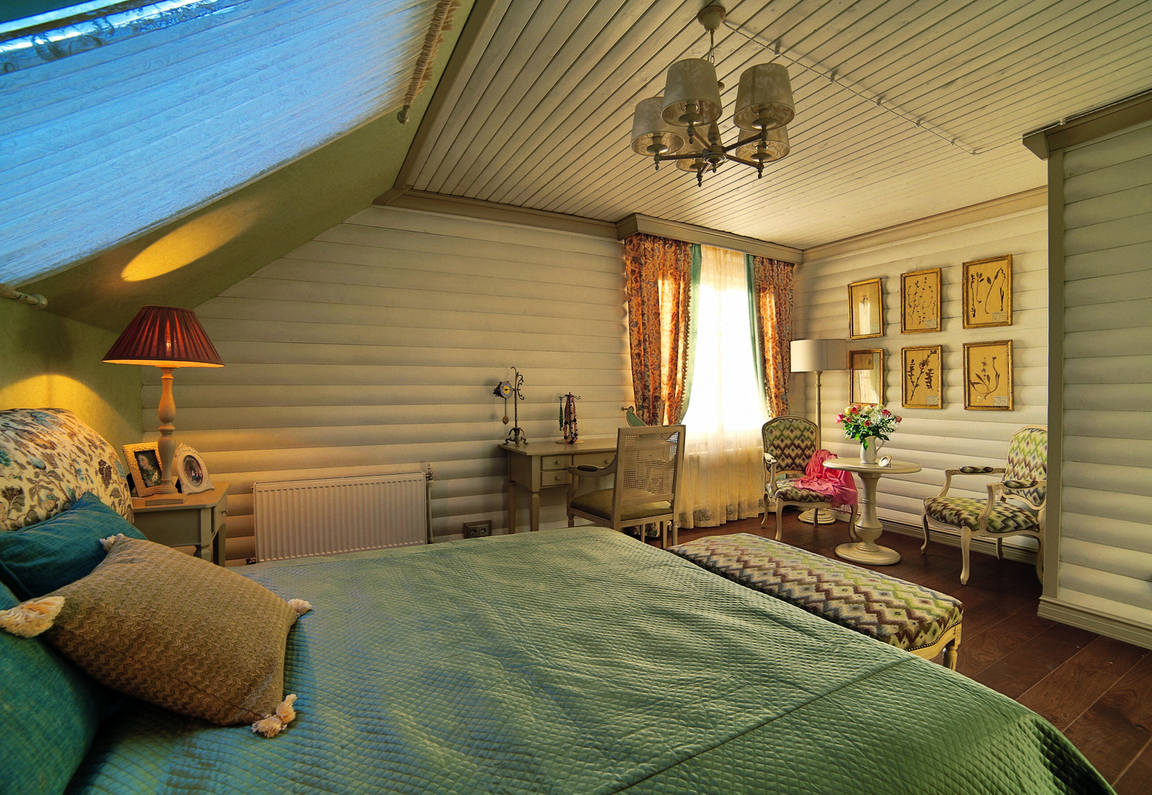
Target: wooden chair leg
[(965, 542), (675, 535), (779, 519), (999, 549), (951, 653), (924, 546)]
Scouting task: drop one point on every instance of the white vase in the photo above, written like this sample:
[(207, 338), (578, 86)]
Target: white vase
[(868, 450)]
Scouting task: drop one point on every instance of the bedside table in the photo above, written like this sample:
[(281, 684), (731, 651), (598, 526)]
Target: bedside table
[(196, 521)]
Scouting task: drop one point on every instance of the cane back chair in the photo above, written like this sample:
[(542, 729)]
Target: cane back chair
[(646, 482)]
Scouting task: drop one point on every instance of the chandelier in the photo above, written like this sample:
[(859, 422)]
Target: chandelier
[(686, 117)]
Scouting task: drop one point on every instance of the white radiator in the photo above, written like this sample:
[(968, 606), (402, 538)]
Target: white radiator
[(298, 518)]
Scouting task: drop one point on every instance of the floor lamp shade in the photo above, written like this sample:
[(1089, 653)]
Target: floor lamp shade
[(815, 356), (166, 337)]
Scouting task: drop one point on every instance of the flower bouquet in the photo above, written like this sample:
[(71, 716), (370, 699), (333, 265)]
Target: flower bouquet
[(868, 423)]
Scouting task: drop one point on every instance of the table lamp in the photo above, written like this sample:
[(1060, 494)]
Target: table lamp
[(816, 356), (166, 337)]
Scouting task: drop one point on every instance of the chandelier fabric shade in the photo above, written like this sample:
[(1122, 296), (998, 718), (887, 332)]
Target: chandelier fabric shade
[(763, 108), (764, 98), (164, 336), (650, 134), (772, 148), (691, 93)]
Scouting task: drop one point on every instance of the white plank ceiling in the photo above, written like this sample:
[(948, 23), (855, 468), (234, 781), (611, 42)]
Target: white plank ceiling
[(540, 116)]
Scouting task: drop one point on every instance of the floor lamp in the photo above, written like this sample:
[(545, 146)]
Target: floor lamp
[(166, 337), (816, 356)]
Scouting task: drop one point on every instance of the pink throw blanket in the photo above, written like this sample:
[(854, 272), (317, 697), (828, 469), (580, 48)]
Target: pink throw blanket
[(835, 484)]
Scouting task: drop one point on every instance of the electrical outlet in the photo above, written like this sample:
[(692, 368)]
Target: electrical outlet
[(477, 529)]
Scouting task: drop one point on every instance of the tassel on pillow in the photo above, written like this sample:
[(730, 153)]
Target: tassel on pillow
[(29, 619), (274, 723)]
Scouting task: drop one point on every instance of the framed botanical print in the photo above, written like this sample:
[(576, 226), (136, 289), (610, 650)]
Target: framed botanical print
[(920, 301), (866, 309), (987, 292), (988, 375), (922, 371), (144, 465), (866, 382)]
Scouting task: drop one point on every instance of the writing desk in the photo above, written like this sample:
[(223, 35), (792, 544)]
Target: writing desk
[(543, 465)]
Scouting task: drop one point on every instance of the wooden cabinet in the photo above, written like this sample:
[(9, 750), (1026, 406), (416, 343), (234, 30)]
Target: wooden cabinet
[(196, 521)]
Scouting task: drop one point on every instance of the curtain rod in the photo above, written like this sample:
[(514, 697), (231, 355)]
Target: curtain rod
[(32, 299)]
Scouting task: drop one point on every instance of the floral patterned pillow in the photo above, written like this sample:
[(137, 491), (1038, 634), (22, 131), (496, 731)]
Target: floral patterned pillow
[(48, 460)]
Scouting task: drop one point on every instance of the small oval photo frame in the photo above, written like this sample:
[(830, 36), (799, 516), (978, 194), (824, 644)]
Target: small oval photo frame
[(192, 471)]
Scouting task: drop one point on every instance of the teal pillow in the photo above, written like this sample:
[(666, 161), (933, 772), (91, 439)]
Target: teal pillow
[(49, 712), (50, 554)]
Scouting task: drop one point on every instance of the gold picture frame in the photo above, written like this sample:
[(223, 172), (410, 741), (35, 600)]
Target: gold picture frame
[(866, 309), (988, 375), (922, 375), (866, 377), (987, 292), (920, 301), (144, 465)]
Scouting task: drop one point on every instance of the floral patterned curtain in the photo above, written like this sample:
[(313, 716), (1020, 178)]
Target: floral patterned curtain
[(771, 286), (658, 275)]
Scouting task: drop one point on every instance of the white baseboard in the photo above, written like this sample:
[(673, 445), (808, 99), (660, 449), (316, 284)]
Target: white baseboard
[(1093, 621)]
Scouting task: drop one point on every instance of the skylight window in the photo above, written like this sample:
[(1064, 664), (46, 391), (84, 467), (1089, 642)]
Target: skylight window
[(182, 102)]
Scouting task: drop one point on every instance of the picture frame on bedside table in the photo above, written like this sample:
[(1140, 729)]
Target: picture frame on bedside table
[(144, 465), (192, 471)]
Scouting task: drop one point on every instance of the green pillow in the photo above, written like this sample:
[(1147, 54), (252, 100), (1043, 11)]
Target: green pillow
[(50, 554), (49, 712)]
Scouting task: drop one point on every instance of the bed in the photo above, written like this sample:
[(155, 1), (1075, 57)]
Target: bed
[(581, 660)]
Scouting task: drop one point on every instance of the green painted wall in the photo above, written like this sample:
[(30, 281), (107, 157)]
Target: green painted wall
[(51, 361)]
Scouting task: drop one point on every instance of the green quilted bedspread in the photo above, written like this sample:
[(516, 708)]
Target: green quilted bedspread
[(583, 661)]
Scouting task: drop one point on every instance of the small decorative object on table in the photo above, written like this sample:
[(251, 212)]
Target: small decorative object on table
[(871, 425), (191, 470), (568, 417), (513, 389)]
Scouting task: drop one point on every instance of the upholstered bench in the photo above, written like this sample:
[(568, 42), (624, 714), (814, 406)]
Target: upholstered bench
[(901, 613)]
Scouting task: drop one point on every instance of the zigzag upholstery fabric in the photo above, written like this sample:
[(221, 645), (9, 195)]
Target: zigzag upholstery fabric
[(893, 611), (791, 493), (792, 443), (1028, 462), (1005, 517)]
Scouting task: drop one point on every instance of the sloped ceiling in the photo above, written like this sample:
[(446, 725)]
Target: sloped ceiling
[(537, 114), (542, 119), (236, 235)]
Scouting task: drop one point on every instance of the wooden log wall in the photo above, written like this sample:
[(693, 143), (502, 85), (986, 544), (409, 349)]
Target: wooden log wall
[(378, 344)]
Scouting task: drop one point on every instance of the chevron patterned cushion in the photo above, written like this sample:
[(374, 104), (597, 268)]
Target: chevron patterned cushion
[(1028, 461), (791, 493), (791, 441), (1005, 518), (903, 614), (178, 632)]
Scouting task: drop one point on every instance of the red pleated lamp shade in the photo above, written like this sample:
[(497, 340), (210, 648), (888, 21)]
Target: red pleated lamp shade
[(164, 336)]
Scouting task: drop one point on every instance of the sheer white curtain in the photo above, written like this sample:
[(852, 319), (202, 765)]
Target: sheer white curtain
[(724, 477)]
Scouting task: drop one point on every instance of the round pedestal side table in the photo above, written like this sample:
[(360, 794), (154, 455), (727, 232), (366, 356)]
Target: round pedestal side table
[(868, 528)]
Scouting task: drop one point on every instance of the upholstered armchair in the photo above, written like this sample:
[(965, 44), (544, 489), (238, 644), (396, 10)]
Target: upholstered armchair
[(789, 444), (646, 482), (1014, 505)]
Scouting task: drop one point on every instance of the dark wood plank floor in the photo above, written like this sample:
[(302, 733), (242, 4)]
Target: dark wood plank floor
[(1096, 690)]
